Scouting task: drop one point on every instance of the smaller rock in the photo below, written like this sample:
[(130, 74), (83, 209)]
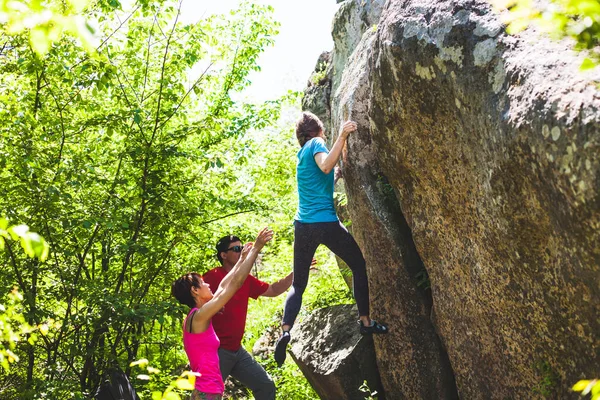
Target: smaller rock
[(334, 357)]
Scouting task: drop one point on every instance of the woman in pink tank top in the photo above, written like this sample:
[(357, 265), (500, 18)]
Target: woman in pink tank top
[(200, 342)]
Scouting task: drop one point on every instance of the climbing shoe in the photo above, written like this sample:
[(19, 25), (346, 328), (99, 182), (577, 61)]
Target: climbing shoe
[(280, 348), (374, 328)]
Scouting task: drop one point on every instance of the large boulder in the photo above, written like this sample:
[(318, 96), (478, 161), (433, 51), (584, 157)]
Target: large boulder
[(413, 363), (352, 20), (490, 145), (333, 356), (473, 187)]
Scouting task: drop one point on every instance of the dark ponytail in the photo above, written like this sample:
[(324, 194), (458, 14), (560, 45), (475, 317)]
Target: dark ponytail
[(308, 127), (181, 289)]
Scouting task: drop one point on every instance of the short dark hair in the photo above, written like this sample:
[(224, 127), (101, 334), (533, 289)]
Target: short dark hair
[(181, 289), (308, 126), (223, 245)]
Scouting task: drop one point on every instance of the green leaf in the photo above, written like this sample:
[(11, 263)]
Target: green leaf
[(142, 362), (31, 340), (579, 386), (4, 363), (171, 396), (105, 171), (18, 231), (40, 42), (27, 246), (156, 395), (184, 384), (587, 64), (38, 245)]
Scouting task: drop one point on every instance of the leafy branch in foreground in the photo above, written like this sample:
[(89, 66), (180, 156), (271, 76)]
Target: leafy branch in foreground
[(185, 381), (33, 244), (588, 387), (46, 21)]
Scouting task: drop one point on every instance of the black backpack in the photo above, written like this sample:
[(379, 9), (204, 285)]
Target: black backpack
[(116, 387)]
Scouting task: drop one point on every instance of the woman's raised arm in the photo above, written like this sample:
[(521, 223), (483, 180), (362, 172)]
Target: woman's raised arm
[(234, 279), (327, 162)]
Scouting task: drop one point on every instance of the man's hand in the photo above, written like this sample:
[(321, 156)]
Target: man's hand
[(264, 236), (349, 126)]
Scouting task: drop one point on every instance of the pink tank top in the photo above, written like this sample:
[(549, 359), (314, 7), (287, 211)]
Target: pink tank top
[(202, 350)]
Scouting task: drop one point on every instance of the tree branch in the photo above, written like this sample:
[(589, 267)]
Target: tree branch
[(162, 73)]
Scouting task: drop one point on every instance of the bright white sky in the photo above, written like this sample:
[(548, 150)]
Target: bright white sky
[(304, 33)]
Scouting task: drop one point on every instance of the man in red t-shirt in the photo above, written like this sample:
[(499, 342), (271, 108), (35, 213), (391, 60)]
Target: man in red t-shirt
[(230, 323)]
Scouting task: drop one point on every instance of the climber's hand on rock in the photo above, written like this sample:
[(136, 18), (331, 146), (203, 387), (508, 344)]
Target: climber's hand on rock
[(349, 126)]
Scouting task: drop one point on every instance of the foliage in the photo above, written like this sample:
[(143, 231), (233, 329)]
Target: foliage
[(578, 19), (131, 159), (340, 198), (588, 387), (127, 161), (548, 379), (290, 381), (386, 189), (326, 287), (14, 328), (320, 75), (423, 280), (184, 382), (46, 21), (33, 244), (369, 395)]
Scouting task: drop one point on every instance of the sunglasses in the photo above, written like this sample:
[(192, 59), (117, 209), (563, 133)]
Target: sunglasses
[(237, 249)]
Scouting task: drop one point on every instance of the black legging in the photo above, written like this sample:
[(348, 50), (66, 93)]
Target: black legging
[(307, 237)]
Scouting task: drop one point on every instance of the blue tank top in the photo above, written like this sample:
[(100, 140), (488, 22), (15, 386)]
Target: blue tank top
[(315, 188)]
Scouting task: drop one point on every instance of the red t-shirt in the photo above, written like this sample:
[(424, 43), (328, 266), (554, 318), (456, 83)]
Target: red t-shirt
[(230, 323)]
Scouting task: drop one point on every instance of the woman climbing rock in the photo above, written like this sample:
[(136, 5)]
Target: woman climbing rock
[(316, 223)]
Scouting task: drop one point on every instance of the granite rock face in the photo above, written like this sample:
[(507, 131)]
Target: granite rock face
[(352, 19), (335, 358), (491, 144), (411, 358), (473, 186)]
